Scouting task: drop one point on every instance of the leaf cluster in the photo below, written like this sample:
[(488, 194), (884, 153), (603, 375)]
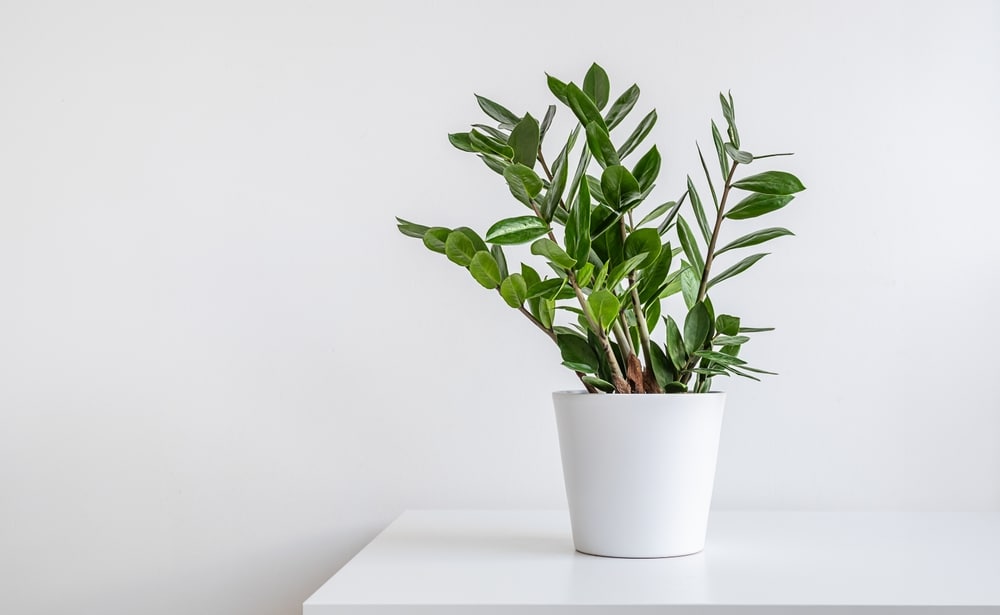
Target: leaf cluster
[(603, 278)]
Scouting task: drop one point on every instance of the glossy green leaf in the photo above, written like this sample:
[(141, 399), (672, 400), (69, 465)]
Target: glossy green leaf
[(435, 237), (583, 108), (730, 340), (643, 241), (730, 114), (736, 269), (494, 163), (619, 271), (602, 276), (581, 168), (501, 260), (620, 188), (546, 312), (755, 329), (524, 140), (690, 283), (720, 150), (647, 169), (755, 238), (459, 249), (699, 211), (697, 326), (461, 141), (488, 145), (675, 345), (524, 184), (411, 229), (514, 290), (604, 307), (597, 86), (654, 278), (658, 211), (548, 289), (577, 351), (599, 384), (637, 135), (484, 269), (738, 155), (652, 315), (728, 325), (560, 171), (497, 134), (558, 88), (758, 205), (512, 231), (497, 111), (675, 387), (771, 182), (477, 241), (690, 245), (622, 106), (550, 113), (551, 250), (600, 145), (719, 357), (578, 226), (663, 369), (585, 274)]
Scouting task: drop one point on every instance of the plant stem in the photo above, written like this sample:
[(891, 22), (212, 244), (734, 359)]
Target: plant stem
[(710, 254), (552, 336)]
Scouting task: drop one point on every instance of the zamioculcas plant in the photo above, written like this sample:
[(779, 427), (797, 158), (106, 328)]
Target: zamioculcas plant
[(609, 261)]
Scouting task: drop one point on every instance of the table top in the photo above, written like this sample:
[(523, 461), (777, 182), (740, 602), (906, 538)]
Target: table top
[(496, 561)]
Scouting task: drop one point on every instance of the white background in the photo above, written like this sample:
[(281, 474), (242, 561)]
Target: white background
[(222, 370)]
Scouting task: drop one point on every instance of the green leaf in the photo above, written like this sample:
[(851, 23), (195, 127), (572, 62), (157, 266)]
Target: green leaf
[(728, 325), (578, 226), (621, 107), (501, 260), (658, 211), (719, 357), (602, 276), (581, 168), (699, 211), (499, 135), (652, 315), (548, 289), (720, 150), (435, 237), (489, 145), (546, 312), (597, 86), (411, 229), (738, 155), (600, 145), (558, 88), (496, 164), (577, 351), (646, 170), (551, 250), (730, 114), (514, 290), (600, 385), (560, 171), (530, 275), (621, 190), (675, 345), (461, 141), (459, 249), (524, 140), (524, 184), (619, 271), (638, 134), (690, 285), (736, 269), (484, 269), (730, 340), (697, 326), (550, 113), (675, 387), (757, 371), (755, 329), (690, 245), (512, 231), (771, 182), (654, 278), (755, 238), (643, 241), (758, 205), (663, 369), (497, 111), (477, 241), (604, 306), (583, 108), (585, 273)]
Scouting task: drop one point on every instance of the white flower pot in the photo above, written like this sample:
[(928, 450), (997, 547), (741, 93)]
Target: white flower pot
[(639, 470)]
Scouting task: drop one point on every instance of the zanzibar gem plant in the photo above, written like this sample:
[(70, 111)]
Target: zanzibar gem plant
[(611, 267)]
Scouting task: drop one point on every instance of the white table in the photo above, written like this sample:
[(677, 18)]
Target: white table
[(497, 562)]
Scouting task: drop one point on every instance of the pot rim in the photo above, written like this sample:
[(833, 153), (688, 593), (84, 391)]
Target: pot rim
[(570, 392)]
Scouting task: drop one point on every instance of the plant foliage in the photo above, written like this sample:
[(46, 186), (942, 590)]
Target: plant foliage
[(608, 274)]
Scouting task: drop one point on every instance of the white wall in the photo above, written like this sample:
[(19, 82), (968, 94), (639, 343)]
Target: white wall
[(222, 370)]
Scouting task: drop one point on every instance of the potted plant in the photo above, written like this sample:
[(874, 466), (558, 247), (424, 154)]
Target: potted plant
[(639, 444)]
